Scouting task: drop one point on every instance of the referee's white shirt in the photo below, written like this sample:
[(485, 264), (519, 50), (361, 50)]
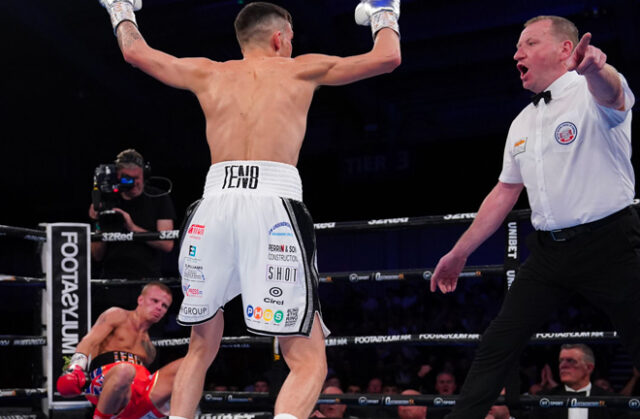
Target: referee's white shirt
[(572, 155), (579, 412)]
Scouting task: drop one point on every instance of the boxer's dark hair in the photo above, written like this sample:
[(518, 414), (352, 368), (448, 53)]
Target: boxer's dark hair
[(253, 23)]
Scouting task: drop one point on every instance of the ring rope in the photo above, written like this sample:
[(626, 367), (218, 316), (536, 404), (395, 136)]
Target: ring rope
[(23, 233), (430, 339), (377, 400), (432, 400), (522, 214), (329, 277)]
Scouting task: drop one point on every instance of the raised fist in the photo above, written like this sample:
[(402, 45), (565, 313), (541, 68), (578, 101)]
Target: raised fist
[(121, 10)]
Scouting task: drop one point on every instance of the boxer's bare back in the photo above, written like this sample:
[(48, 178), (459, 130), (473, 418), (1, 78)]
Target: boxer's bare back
[(256, 108)]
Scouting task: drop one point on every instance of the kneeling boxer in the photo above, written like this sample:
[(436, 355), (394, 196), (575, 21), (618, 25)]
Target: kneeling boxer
[(117, 381)]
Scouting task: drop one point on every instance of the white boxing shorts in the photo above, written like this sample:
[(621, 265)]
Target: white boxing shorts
[(251, 234)]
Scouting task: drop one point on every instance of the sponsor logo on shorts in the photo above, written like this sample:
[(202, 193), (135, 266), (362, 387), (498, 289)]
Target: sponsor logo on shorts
[(195, 231), (281, 229), (191, 292), (257, 313), (278, 257), (192, 272), (241, 176), (282, 274), (270, 300), (192, 251), (193, 310), (265, 315), (275, 292), (285, 248), (292, 317), (268, 315), (278, 316)]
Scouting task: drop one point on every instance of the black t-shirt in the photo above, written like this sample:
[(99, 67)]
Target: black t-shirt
[(138, 259)]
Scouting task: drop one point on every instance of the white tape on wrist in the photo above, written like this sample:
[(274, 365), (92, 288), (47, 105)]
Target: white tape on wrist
[(121, 11), (384, 19), (80, 360)]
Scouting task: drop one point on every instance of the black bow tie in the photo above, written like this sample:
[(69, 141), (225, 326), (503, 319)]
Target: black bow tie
[(546, 95), (577, 393)]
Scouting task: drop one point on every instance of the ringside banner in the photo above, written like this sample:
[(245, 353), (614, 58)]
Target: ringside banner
[(68, 300)]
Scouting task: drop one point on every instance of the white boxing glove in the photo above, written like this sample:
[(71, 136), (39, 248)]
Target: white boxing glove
[(121, 10), (379, 14)]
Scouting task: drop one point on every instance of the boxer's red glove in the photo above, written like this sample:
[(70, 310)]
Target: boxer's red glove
[(75, 378)]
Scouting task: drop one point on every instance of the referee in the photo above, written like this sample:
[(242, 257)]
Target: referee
[(571, 149)]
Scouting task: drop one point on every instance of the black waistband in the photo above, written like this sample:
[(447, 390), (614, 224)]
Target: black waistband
[(564, 234), (113, 357)]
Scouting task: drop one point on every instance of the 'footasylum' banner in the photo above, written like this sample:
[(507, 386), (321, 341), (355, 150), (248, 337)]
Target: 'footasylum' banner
[(68, 266)]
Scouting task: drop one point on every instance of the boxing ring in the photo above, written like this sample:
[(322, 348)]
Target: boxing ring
[(65, 307)]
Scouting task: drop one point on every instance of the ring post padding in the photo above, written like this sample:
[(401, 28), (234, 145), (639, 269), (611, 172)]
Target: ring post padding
[(511, 250), (67, 301)]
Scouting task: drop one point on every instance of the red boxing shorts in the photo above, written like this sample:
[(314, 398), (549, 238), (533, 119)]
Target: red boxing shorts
[(140, 405)]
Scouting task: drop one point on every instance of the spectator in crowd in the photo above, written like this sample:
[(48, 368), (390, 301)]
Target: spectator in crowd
[(499, 411), (630, 388), (576, 363), (547, 382), (136, 207), (261, 385), (374, 385), (412, 412), (603, 383), (354, 389), (332, 381), (330, 410), (390, 389), (446, 384)]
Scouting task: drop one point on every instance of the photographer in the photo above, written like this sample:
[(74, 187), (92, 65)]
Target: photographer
[(129, 206)]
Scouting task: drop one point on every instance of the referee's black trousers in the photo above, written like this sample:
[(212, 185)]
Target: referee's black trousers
[(602, 265)]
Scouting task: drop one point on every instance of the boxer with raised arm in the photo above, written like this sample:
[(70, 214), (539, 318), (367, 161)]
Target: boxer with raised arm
[(117, 381), (251, 234)]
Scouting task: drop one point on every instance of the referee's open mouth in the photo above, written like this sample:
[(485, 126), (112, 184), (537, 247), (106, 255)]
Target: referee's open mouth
[(522, 69)]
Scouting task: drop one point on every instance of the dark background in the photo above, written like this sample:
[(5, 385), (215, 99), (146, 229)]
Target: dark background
[(424, 140)]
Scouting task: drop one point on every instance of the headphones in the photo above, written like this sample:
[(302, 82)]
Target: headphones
[(131, 156)]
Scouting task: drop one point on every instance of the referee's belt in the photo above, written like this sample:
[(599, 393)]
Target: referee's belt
[(565, 234)]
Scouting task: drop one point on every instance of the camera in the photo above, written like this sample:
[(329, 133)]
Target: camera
[(105, 195)]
